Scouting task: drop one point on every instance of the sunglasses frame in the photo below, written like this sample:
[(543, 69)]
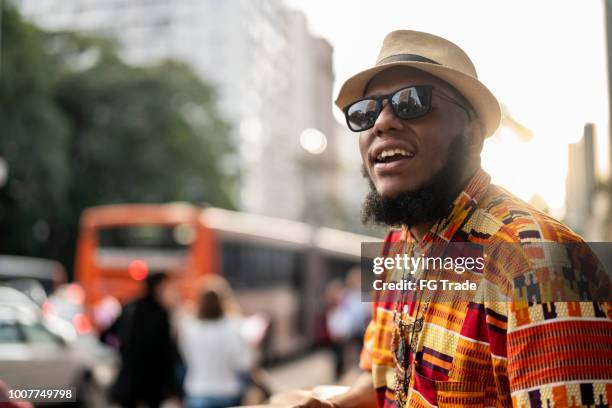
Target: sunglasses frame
[(379, 105)]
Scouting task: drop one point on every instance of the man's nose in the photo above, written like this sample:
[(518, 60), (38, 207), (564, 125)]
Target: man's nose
[(387, 121)]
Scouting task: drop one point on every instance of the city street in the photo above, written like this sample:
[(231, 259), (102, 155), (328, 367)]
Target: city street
[(304, 373), (210, 203)]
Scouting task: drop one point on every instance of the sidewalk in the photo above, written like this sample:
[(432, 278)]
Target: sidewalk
[(305, 373)]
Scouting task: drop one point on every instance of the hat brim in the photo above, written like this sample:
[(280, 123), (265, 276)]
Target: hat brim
[(482, 100)]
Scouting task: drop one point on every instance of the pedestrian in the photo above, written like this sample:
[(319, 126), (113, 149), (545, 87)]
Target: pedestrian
[(422, 115), (337, 325), (346, 319), (216, 356), (147, 349)]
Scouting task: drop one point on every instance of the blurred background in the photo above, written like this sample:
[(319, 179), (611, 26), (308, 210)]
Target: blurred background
[(223, 112)]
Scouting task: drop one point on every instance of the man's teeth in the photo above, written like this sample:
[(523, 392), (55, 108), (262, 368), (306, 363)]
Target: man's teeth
[(394, 152)]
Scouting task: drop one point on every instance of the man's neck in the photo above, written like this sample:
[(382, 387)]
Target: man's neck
[(419, 230)]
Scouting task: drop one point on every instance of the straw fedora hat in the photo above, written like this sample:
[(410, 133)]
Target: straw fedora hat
[(437, 57)]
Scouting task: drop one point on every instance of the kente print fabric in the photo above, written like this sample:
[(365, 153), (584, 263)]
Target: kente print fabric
[(494, 353)]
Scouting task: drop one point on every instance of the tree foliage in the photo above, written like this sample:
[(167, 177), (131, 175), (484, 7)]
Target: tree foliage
[(34, 137), (143, 135), (80, 128)]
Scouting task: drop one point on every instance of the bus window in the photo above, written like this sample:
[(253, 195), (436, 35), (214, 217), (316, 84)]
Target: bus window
[(251, 265)]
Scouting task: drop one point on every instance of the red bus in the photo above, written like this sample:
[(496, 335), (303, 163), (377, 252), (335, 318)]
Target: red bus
[(277, 267)]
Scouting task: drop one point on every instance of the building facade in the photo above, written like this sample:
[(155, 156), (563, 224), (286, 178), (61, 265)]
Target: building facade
[(273, 78)]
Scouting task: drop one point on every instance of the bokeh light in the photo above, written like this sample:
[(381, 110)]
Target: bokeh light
[(313, 141)]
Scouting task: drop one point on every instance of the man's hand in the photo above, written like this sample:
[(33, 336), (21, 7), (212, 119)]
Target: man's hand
[(312, 402), (361, 395)]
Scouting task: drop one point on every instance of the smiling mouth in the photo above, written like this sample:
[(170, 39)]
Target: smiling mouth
[(392, 156)]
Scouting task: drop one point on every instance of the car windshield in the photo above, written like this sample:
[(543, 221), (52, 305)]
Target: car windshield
[(38, 334), (9, 333)]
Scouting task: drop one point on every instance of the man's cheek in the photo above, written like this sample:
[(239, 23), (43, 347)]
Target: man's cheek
[(364, 143), (365, 173)]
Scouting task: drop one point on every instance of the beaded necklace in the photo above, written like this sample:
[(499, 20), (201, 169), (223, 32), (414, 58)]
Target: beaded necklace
[(404, 346)]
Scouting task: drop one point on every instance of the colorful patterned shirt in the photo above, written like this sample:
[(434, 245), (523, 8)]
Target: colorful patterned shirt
[(495, 354)]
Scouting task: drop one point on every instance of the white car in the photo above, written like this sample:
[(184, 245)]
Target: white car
[(40, 353)]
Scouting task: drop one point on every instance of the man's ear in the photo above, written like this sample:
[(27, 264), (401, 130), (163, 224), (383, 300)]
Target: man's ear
[(475, 132)]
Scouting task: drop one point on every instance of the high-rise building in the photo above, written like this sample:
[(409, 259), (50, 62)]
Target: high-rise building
[(273, 78), (586, 203)]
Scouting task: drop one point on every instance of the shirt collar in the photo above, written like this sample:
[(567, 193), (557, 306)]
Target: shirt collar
[(463, 206)]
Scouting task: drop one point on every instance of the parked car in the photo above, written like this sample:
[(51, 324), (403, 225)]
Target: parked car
[(32, 288), (41, 352), (67, 303), (47, 272)]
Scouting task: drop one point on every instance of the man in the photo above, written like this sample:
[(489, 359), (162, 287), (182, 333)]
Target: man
[(148, 352), (422, 117)]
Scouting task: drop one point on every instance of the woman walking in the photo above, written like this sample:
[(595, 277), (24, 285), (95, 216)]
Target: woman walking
[(216, 356)]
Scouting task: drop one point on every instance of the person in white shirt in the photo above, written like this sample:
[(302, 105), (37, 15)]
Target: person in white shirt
[(215, 353)]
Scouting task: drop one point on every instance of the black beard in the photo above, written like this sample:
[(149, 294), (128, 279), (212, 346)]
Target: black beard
[(428, 203)]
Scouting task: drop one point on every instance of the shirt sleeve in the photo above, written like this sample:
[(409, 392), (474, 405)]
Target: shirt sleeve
[(559, 353)]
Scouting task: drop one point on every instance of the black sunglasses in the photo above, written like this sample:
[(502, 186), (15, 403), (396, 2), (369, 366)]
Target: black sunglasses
[(407, 103)]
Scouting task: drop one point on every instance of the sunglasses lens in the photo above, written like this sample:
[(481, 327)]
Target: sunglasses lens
[(362, 114), (410, 103)]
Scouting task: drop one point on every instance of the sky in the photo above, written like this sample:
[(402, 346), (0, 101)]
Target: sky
[(545, 60)]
